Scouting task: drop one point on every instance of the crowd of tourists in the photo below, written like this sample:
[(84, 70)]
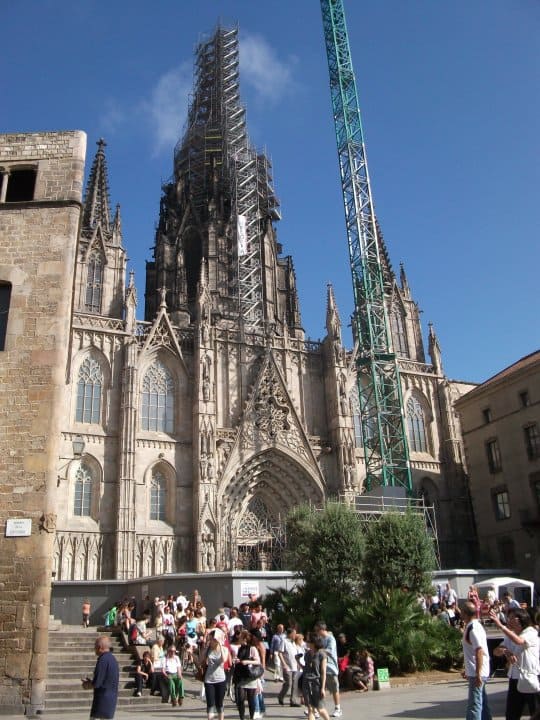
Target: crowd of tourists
[(230, 651)]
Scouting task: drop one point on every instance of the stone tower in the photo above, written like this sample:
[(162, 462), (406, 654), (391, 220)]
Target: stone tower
[(41, 176)]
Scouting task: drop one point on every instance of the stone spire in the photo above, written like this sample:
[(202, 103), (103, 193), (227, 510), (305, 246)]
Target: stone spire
[(96, 205), (333, 322), (388, 273), (403, 281), (435, 351), (117, 225)]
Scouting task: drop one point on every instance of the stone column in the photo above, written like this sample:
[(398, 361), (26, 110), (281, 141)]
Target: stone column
[(125, 534)]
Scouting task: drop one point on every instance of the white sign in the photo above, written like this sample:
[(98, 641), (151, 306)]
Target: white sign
[(19, 527), (241, 234), (249, 589)]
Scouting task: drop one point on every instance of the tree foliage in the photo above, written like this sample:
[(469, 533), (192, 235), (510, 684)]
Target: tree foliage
[(326, 547), (399, 634), (363, 578), (399, 553)]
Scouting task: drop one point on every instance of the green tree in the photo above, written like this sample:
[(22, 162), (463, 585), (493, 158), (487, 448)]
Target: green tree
[(399, 553), (325, 547)]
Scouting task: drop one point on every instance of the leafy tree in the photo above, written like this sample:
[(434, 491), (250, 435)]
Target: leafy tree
[(325, 547), (399, 553)]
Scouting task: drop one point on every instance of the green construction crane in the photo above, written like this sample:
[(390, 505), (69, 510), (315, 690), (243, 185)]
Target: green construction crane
[(379, 387)]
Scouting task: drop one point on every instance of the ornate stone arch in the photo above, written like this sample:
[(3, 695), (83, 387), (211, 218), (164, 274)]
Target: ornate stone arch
[(274, 480)]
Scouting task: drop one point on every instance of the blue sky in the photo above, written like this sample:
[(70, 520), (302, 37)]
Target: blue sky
[(450, 105)]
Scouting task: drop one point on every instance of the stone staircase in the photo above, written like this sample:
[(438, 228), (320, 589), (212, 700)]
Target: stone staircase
[(72, 657)]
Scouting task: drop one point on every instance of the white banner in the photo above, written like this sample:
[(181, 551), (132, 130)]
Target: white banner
[(241, 234)]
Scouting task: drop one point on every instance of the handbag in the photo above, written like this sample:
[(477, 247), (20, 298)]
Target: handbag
[(201, 671), (254, 672)]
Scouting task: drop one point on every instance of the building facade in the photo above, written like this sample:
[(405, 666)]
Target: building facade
[(207, 421), (501, 430), (41, 182)]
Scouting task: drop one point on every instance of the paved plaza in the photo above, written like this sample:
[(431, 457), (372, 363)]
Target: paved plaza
[(442, 701)]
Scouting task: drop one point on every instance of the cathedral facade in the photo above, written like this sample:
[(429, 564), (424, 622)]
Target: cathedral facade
[(201, 426)]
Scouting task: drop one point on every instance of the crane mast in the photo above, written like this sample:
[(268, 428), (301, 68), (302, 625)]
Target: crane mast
[(379, 387)]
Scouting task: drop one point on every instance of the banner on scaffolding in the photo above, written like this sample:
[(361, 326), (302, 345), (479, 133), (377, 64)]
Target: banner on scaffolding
[(241, 234)]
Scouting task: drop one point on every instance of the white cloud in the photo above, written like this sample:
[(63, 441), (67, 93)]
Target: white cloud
[(167, 106), (263, 70), (113, 117)]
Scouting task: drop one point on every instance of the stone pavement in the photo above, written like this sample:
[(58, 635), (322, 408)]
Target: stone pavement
[(440, 701)]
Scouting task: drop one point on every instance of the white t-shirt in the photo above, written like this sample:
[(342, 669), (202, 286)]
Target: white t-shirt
[(474, 637), (529, 660)]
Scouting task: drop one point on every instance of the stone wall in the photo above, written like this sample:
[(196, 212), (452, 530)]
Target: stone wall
[(37, 253)]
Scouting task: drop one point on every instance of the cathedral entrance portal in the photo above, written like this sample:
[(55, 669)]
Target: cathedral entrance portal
[(256, 503), (260, 539)]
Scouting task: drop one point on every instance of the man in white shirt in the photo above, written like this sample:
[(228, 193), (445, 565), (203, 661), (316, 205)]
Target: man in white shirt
[(287, 653), (234, 620), (476, 670)]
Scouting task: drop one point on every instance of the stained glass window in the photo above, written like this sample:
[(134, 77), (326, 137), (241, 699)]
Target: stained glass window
[(89, 387), (158, 491), (157, 399), (417, 426), (94, 282), (83, 491)]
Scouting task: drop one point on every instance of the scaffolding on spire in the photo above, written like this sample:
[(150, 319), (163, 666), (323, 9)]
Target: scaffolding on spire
[(216, 148)]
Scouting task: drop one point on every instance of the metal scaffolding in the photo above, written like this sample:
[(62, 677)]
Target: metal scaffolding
[(216, 151)]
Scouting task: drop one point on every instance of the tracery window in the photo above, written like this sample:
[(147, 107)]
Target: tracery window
[(416, 424), (89, 385), (82, 497), (94, 282), (399, 334), (158, 496), (157, 399)]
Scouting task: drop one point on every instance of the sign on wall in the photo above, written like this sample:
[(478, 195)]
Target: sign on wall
[(18, 527), (249, 589)]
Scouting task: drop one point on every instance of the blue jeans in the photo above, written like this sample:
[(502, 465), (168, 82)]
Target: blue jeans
[(477, 703)]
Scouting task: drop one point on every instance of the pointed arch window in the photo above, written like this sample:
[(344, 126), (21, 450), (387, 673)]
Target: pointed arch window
[(399, 334), (158, 496), (89, 387), (82, 497), (94, 282), (157, 399), (416, 423)]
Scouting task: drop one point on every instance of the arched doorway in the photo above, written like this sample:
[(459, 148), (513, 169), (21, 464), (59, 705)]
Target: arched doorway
[(254, 504)]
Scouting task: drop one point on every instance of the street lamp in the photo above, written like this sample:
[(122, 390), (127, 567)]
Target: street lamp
[(78, 446)]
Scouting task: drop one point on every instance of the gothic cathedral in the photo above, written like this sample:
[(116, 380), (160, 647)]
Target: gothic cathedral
[(204, 423)]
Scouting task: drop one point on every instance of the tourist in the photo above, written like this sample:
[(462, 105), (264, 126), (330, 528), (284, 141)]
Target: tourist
[(277, 640), (332, 669), (216, 657), (172, 670), (245, 686), (287, 653), (104, 682), (314, 678), (86, 608), (476, 670), (520, 648), (144, 673)]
